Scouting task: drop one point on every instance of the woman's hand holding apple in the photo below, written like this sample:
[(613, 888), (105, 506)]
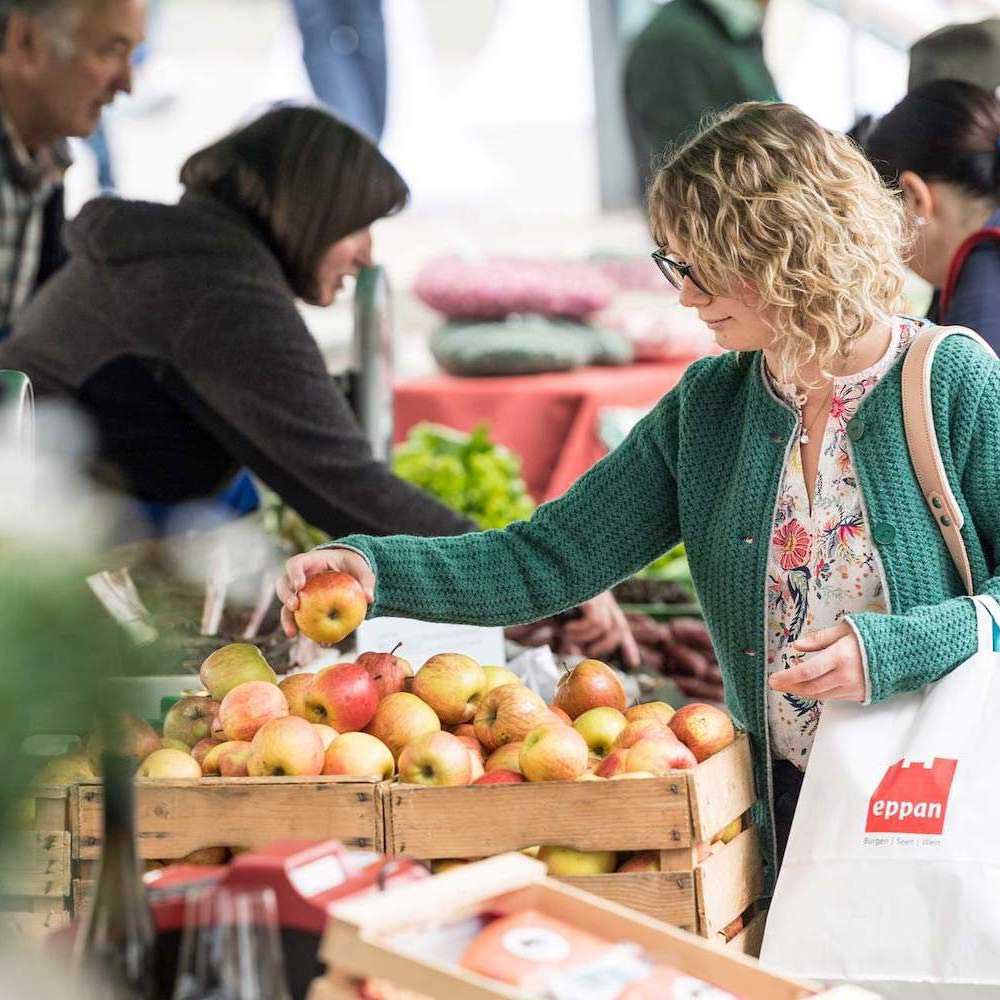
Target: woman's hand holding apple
[(300, 568)]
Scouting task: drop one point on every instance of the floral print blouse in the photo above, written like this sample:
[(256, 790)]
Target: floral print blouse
[(822, 564)]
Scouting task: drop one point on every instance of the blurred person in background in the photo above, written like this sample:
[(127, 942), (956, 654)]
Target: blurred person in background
[(941, 146), (61, 62), (175, 329), (343, 47), (969, 52), (694, 57)]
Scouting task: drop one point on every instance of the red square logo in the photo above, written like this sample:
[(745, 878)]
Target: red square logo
[(912, 798)]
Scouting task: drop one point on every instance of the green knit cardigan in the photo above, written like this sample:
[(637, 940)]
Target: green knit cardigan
[(704, 467)]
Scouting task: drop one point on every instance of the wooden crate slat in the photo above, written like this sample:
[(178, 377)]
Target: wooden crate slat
[(667, 896), (29, 927), (35, 852), (83, 896), (51, 806), (749, 940), (722, 788), (728, 882), (476, 821), (174, 818), (33, 884)]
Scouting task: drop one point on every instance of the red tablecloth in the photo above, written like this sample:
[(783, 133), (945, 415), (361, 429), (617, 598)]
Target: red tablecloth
[(549, 420)]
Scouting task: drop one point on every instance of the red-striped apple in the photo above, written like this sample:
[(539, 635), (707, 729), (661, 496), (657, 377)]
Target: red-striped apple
[(435, 759), (249, 706), (553, 752), (342, 696), (388, 671), (507, 714), (590, 684), (331, 607), (452, 684), (703, 729), (286, 746), (359, 755), (401, 718)]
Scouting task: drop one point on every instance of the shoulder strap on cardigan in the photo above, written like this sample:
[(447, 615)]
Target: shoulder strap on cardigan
[(925, 453)]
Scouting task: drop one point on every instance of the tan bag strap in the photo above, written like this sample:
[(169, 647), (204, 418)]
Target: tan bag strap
[(925, 453)]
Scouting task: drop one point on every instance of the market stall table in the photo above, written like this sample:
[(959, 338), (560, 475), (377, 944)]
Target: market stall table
[(550, 420)]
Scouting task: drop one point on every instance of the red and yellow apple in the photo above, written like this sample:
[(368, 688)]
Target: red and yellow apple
[(612, 764), (553, 752), (500, 777), (201, 749), (389, 672), (331, 607), (644, 861), (326, 734), (507, 714), (249, 706), (476, 769), (659, 757), (703, 729), (294, 689), (600, 728), (166, 764), (590, 684), (558, 715), (400, 719), (565, 861), (658, 710), (507, 758), (452, 684), (342, 696), (643, 729), (237, 663), (190, 719), (435, 759), (286, 746), (228, 759), (359, 755), (498, 676)]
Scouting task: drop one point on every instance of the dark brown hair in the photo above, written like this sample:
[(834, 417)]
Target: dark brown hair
[(304, 179), (946, 130)]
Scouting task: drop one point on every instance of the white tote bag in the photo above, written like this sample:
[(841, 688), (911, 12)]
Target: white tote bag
[(891, 877)]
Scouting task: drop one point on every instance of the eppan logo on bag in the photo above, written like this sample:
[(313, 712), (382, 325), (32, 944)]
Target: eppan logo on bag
[(912, 797)]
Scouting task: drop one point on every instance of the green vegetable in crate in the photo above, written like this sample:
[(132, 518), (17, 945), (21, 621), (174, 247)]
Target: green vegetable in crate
[(467, 472)]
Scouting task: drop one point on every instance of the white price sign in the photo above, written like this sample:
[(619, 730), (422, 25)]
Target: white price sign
[(422, 640)]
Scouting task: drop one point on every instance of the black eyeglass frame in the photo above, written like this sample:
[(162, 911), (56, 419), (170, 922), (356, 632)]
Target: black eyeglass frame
[(675, 272)]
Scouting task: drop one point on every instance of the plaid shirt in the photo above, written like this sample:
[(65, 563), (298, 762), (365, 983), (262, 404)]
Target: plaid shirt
[(26, 184)]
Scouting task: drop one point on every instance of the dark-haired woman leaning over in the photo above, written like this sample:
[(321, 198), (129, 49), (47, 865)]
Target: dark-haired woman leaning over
[(175, 328), (941, 146)]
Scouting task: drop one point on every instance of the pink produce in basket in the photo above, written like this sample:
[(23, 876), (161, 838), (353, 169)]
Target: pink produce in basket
[(502, 286)]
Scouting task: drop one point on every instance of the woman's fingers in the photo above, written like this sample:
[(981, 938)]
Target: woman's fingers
[(821, 639), (288, 622), (300, 568)]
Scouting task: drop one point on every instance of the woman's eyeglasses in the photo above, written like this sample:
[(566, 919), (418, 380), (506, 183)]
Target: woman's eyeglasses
[(675, 272)]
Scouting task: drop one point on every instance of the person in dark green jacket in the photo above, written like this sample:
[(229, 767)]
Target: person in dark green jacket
[(694, 57), (782, 464)]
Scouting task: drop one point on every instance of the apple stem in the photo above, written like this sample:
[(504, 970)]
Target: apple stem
[(394, 648)]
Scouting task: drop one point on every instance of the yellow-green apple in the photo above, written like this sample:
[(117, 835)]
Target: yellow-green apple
[(703, 729), (565, 861), (590, 684), (612, 764), (435, 759), (559, 715), (190, 719), (178, 745), (331, 607), (327, 734), (288, 745), (476, 770), (401, 718), (507, 758), (507, 714), (228, 759), (659, 757), (729, 832), (122, 734), (163, 764), (201, 749), (644, 861), (659, 710), (234, 664), (553, 752), (342, 696), (600, 728), (500, 777), (206, 856), (359, 755), (249, 706), (643, 729), (66, 769), (294, 689), (388, 671), (452, 684), (498, 676)]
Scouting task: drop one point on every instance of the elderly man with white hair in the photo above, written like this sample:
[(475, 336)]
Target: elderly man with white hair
[(61, 62)]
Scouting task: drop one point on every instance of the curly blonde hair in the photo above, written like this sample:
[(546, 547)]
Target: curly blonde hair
[(764, 196)]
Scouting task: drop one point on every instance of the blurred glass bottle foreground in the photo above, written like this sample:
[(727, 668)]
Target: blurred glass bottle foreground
[(116, 947)]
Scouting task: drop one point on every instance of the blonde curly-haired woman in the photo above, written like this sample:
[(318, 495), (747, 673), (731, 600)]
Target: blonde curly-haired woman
[(781, 464)]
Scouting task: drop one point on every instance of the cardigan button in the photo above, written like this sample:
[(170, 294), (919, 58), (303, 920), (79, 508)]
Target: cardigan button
[(855, 428), (884, 533), (748, 539), (749, 652), (776, 438)]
